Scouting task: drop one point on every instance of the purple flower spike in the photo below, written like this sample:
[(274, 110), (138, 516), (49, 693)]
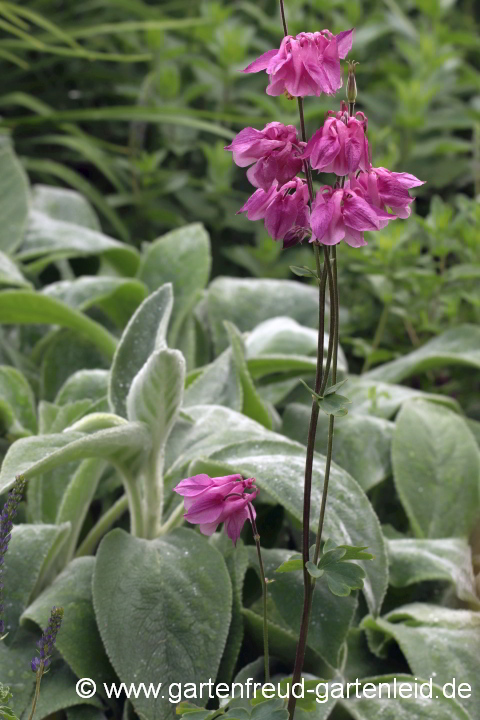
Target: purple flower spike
[(6, 524), (308, 64), (211, 501), (47, 642)]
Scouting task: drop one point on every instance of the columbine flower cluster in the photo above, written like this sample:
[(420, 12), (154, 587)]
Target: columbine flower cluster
[(6, 523), (46, 643), (363, 198), (212, 501)]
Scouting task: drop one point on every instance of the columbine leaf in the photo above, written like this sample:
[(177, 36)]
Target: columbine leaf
[(334, 404), (343, 577), (356, 553), (334, 388), (313, 570), (303, 271), (290, 565)]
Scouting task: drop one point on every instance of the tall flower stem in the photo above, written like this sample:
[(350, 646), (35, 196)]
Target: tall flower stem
[(321, 379), (37, 691), (256, 537)]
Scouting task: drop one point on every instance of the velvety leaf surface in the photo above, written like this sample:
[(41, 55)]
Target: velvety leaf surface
[(79, 641), (457, 346), (437, 642), (64, 204), (17, 403), (117, 297), (91, 384), (145, 333), (30, 456), (23, 307), (10, 275), (31, 550), (248, 302), (253, 405), (382, 399), (436, 467), (437, 708), (46, 236), (182, 257), (163, 608), (14, 198), (216, 384), (353, 433), (156, 394), (413, 561)]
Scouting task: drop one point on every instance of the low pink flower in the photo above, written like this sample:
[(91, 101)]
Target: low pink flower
[(343, 214), (384, 188), (284, 208), (308, 64), (275, 150), (340, 146), (211, 501)]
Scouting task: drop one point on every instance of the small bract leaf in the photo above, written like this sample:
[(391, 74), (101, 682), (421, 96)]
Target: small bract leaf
[(334, 388), (313, 570), (303, 271)]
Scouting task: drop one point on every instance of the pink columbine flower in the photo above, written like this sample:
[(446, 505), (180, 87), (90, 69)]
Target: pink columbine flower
[(384, 188), (211, 501), (343, 214), (284, 208), (340, 146), (275, 150), (308, 64)]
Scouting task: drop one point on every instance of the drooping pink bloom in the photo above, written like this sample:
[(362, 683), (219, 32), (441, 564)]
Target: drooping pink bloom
[(275, 150), (340, 146), (211, 501), (343, 214), (385, 188), (308, 64), (284, 208)]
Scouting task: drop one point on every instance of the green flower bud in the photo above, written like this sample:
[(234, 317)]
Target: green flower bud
[(351, 82)]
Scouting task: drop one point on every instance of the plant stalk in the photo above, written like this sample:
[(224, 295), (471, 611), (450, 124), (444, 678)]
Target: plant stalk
[(37, 691), (256, 537)]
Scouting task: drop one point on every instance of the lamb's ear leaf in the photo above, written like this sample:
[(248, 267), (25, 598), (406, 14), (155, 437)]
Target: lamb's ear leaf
[(152, 583), (414, 560), (14, 198), (457, 346), (31, 552), (126, 443), (379, 704), (435, 444), (58, 685), (79, 641), (253, 405), (183, 258), (145, 333)]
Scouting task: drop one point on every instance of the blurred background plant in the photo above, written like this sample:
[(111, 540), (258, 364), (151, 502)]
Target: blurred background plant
[(131, 103)]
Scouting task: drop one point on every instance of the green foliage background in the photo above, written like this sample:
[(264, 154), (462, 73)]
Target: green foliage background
[(149, 333)]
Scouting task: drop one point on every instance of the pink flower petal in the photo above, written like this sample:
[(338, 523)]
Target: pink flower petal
[(261, 63), (344, 42)]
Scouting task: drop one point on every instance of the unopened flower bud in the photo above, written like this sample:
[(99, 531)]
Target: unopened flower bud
[(351, 82)]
